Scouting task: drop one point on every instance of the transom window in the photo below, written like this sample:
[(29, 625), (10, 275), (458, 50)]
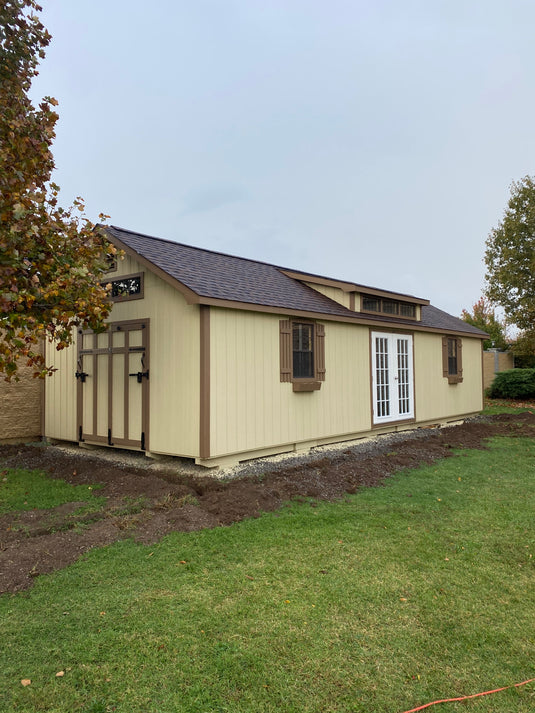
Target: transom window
[(388, 306), (128, 287)]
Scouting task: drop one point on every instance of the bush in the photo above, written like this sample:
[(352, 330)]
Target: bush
[(513, 384)]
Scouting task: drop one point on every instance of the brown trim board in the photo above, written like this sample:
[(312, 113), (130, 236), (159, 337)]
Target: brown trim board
[(395, 325), (204, 395)]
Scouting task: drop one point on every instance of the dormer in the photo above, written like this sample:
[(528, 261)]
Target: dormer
[(368, 301)]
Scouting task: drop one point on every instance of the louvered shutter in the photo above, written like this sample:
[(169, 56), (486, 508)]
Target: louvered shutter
[(445, 371), (285, 341), (319, 351), (460, 359)]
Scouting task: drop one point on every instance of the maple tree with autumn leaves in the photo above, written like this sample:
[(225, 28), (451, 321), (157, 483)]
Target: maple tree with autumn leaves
[(51, 258)]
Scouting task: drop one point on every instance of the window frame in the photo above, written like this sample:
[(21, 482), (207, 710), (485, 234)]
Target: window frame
[(397, 306), (305, 338), (453, 376), (287, 361), (126, 298)]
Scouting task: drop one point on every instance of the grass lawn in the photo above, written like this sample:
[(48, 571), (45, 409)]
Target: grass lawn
[(495, 406), (392, 598), (29, 489)]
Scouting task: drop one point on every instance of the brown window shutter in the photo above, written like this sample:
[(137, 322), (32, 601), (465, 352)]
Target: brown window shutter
[(460, 358), (285, 342), (445, 357), (319, 351)]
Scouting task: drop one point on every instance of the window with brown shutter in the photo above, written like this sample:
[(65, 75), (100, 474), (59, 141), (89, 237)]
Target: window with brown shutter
[(452, 359), (302, 354)]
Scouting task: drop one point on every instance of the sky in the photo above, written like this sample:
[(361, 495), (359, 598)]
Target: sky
[(369, 141)]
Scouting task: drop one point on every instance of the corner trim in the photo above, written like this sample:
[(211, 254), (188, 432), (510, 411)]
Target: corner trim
[(204, 391)]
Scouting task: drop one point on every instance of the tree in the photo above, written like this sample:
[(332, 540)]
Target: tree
[(483, 316), (523, 349), (51, 258), (510, 257)]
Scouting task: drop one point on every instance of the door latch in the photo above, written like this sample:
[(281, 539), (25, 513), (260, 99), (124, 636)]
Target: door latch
[(81, 375), (140, 375)]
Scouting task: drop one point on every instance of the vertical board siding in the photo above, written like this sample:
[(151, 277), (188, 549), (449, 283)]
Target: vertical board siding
[(333, 293), (174, 362), (174, 368), (251, 408), (435, 398), (60, 394)]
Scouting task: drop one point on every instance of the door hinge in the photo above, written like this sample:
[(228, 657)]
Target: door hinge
[(142, 440), (109, 437)]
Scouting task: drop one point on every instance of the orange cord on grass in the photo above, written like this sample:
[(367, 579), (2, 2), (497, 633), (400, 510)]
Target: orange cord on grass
[(465, 698)]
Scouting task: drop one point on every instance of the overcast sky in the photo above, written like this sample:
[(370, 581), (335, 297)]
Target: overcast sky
[(372, 141)]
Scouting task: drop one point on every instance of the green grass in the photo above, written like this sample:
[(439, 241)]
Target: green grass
[(392, 598), (29, 489), (497, 406)]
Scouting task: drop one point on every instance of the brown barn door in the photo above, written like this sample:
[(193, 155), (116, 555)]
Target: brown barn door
[(113, 385)]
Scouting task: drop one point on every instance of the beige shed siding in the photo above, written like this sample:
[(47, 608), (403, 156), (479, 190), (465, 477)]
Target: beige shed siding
[(434, 397), (174, 368), (125, 266), (60, 394), (251, 408), (333, 293), (174, 361)]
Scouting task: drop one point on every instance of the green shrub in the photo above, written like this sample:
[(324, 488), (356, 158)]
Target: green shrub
[(514, 384)]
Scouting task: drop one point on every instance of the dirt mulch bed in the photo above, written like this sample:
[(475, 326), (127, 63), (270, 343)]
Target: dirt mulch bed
[(145, 504)]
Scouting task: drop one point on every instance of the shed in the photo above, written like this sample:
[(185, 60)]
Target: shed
[(220, 359)]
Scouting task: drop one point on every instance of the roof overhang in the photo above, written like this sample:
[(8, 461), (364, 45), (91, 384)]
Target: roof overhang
[(356, 318)]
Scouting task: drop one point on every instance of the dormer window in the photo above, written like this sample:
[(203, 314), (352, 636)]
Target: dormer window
[(383, 305)]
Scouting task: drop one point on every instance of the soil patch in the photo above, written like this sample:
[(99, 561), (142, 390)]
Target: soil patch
[(145, 504)]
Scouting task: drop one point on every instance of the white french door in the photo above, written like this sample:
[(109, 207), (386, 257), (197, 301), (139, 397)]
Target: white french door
[(392, 377)]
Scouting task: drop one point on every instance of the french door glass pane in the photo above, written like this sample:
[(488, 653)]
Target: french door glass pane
[(382, 377), (403, 376)]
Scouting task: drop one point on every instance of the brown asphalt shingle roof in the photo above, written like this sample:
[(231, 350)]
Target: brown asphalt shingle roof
[(218, 276)]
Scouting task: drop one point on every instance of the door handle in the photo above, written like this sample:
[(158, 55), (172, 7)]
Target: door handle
[(140, 375)]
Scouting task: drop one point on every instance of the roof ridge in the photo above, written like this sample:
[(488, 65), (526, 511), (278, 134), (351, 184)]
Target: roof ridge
[(207, 250), (261, 262)]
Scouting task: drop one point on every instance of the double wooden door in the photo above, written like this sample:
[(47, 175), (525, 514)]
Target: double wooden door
[(113, 385)]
